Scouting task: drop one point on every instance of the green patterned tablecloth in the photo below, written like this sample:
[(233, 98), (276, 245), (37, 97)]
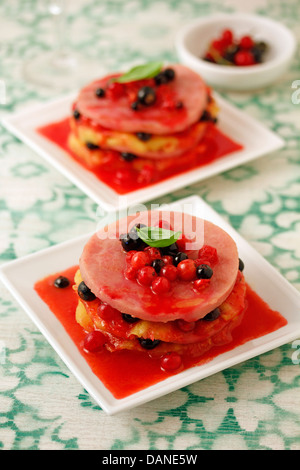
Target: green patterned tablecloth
[(254, 405)]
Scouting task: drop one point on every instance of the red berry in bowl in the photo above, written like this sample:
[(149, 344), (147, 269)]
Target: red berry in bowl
[(229, 49), (218, 45), (246, 42), (227, 37), (243, 58)]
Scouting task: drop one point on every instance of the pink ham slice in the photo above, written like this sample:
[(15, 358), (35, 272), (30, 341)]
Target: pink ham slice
[(117, 114), (102, 266)]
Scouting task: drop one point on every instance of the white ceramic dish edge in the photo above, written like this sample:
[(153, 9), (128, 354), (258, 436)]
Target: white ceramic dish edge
[(236, 78), (256, 139)]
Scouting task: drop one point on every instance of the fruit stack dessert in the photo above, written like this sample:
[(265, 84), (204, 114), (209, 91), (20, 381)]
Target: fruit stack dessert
[(163, 283), (145, 117)]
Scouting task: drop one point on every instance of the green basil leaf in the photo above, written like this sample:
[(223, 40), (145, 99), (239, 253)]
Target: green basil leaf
[(158, 237), (140, 72)]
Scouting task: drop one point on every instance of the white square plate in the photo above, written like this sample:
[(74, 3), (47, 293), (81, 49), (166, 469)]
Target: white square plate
[(256, 141), (20, 275)]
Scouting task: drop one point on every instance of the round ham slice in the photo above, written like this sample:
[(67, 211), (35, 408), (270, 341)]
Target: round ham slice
[(116, 113), (102, 265)]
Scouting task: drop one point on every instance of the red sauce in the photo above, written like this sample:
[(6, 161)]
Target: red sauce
[(123, 178), (127, 372)]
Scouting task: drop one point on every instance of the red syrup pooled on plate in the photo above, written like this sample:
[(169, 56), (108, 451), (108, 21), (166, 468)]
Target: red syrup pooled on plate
[(126, 372), (214, 146)]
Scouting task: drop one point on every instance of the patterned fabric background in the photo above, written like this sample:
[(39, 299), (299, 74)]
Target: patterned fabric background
[(254, 405)]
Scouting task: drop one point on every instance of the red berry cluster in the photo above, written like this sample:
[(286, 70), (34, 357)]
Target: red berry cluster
[(229, 50), (144, 92), (140, 267)]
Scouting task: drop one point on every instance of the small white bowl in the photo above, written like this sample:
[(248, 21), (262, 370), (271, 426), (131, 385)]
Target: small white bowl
[(192, 41)]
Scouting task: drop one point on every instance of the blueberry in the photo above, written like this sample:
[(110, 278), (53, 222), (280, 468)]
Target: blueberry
[(149, 343), (92, 146), (85, 292), (230, 52), (143, 136), (100, 92), (180, 257), (259, 50), (157, 264), (161, 79), (170, 250), (146, 95), (241, 265), (76, 114), (131, 241), (129, 319), (128, 157), (135, 105), (208, 58), (262, 46), (257, 54), (61, 282), (133, 231), (213, 315), (170, 74), (165, 76), (204, 271), (207, 117)]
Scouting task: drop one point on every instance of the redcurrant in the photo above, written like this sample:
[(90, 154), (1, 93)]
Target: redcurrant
[(201, 284), (153, 252), (146, 275), (161, 285), (186, 270), (170, 361), (107, 313), (227, 36), (94, 341), (140, 259), (209, 253), (246, 42), (167, 259), (244, 58), (131, 273), (169, 271)]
